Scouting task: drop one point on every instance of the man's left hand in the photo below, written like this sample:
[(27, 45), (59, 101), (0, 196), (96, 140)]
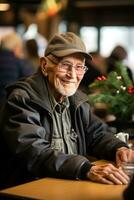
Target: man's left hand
[(124, 154)]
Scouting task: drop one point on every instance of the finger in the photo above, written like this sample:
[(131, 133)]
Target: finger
[(118, 176), (123, 174), (106, 181), (114, 179), (122, 156), (125, 157), (122, 177), (100, 179), (131, 155)]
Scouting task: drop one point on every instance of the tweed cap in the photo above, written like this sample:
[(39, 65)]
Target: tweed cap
[(65, 44)]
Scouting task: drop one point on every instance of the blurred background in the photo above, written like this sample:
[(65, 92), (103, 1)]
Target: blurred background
[(102, 24)]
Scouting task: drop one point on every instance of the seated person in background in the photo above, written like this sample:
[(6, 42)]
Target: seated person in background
[(48, 128), (89, 77), (12, 64), (99, 62), (96, 68), (31, 53), (118, 54)]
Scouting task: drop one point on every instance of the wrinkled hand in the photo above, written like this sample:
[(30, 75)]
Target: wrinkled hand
[(124, 154), (108, 174)]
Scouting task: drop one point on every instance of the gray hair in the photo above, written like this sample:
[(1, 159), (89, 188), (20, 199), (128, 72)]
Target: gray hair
[(11, 41)]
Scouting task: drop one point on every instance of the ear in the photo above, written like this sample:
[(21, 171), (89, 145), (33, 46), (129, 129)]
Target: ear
[(43, 64)]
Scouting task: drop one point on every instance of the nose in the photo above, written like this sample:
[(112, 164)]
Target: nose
[(71, 72)]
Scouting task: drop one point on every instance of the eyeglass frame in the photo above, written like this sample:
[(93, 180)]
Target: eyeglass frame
[(60, 64), (66, 65)]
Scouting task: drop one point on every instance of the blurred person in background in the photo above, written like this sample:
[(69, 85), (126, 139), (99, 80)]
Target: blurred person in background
[(12, 63), (31, 53), (99, 62), (29, 28), (118, 55), (89, 77), (96, 68)]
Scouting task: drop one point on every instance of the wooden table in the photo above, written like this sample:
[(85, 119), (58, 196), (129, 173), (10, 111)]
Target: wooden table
[(60, 189)]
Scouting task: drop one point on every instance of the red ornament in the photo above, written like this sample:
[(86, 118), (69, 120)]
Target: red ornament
[(101, 78), (130, 89)]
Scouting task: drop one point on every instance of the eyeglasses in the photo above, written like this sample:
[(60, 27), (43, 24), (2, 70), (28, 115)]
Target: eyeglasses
[(66, 66)]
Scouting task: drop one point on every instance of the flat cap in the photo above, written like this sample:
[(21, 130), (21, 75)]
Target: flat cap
[(65, 44)]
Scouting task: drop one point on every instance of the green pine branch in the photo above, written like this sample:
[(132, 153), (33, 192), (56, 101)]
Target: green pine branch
[(113, 92)]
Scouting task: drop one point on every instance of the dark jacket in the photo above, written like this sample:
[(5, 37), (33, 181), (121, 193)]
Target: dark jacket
[(26, 132), (11, 69)]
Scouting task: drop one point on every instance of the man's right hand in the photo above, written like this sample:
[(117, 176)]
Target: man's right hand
[(107, 174)]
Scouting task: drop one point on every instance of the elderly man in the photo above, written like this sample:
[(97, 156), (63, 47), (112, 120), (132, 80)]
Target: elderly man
[(48, 128)]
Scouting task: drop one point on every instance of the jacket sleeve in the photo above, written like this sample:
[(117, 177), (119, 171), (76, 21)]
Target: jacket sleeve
[(100, 141), (26, 138)]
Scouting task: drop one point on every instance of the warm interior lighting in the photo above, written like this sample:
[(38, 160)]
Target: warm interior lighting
[(4, 6), (51, 7)]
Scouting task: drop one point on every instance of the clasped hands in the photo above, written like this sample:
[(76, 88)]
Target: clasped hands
[(112, 174)]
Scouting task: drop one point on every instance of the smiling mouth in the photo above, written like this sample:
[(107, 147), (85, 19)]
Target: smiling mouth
[(68, 82)]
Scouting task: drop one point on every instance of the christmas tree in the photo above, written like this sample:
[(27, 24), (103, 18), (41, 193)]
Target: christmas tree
[(116, 91)]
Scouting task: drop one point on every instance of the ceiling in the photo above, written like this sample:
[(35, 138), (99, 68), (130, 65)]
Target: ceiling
[(101, 12), (77, 3), (86, 12), (100, 3)]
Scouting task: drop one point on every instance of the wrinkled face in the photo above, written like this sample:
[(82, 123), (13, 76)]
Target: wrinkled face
[(64, 75)]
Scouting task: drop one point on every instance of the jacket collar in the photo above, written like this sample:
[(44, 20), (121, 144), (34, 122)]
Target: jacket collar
[(36, 87)]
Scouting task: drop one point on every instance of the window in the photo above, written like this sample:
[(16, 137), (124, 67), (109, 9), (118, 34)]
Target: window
[(110, 36), (89, 36)]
